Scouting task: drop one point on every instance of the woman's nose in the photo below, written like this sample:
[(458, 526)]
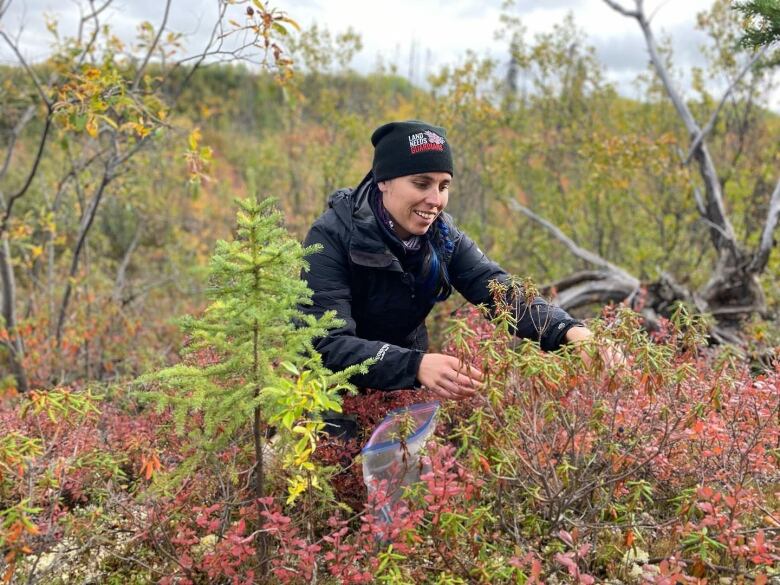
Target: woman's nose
[(433, 197)]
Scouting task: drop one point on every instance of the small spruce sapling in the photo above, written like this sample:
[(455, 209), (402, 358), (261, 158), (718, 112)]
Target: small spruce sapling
[(266, 371)]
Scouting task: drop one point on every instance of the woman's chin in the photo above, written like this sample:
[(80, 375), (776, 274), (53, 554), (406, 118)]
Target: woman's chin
[(420, 228), (412, 230)]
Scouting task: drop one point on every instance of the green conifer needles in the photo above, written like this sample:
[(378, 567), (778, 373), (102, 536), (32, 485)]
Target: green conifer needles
[(762, 25), (250, 361)]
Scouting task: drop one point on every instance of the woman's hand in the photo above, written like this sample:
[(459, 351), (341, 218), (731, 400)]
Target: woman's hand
[(611, 355), (448, 377)]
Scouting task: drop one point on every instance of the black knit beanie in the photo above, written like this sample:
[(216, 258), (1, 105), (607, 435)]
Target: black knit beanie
[(409, 148)]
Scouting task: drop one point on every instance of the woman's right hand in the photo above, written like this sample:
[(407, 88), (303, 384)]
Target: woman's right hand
[(448, 377)]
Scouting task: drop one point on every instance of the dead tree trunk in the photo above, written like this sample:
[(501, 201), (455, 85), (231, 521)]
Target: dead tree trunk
[(733, 291)]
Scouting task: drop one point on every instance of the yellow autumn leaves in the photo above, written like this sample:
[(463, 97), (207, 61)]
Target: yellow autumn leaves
[(98, 97)]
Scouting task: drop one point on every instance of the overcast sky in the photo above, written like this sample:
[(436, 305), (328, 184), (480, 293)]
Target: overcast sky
[(435, 31)]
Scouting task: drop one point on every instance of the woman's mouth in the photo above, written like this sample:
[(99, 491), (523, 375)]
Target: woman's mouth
[(426, 215)]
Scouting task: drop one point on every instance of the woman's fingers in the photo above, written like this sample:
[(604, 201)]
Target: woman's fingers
[(472, 373), (448, 387), (466, 370), (451, 385), (461, 385), (442, 392), (466, 384)]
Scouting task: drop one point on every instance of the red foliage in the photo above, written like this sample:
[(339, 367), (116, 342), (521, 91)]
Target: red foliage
[(702, 436)]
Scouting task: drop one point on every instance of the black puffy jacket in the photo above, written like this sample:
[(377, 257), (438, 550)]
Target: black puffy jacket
[(357, 275)]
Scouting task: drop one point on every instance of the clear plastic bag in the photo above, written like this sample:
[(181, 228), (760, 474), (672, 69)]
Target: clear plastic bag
[(387, 465)]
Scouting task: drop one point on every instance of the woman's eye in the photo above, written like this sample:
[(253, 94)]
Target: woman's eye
[(421, 186)]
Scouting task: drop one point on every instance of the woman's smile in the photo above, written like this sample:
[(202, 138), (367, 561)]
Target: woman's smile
[(426, 215)]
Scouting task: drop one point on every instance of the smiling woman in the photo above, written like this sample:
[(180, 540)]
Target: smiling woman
[(390, 253)]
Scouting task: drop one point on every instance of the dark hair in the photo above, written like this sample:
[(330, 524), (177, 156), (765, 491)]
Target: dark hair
[(441, 247)]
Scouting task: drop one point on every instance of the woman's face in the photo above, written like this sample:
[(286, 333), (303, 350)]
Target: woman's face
[(415, 201)]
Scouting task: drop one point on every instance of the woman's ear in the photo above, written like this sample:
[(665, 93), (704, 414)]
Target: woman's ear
[(383, 186)]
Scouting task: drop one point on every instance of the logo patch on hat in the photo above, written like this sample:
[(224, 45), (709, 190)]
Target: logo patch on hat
[(425, 142)]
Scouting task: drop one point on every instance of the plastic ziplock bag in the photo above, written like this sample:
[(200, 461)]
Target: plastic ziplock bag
[(387, 465)]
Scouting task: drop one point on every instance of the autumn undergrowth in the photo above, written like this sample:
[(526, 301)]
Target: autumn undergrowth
[(567, 469)]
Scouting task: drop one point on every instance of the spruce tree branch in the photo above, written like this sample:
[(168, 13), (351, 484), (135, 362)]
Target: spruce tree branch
[(586, 255), (714, 117), (152, 47), (767, 238)]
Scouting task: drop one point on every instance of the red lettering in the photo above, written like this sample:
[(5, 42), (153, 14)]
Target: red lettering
[(426, 147)]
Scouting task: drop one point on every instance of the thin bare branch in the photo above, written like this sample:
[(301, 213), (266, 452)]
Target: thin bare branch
[(96, 11), (611, 288), (95, 29), (17, 130), (586, 255), (215, 36), (141, 290), (44, 135), (699, 201), (91, 16), (119, 283), (30, 176), (657, 10), (15, 342), (622, 10), (86, 223), (28, 69), (4, 6), (714, 117), (767, 235), (152, 48), (574, 279)]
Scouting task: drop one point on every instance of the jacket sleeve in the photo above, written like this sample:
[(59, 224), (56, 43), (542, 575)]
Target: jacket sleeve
[(329, 279), (470, 271)]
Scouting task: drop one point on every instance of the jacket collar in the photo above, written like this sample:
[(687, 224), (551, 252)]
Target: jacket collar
[(366, 247)]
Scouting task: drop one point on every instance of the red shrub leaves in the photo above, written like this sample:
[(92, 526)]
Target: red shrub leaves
[(664, 472)]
